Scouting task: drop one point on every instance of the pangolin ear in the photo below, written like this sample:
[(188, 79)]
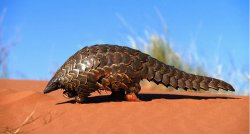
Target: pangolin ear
[(52, 86)]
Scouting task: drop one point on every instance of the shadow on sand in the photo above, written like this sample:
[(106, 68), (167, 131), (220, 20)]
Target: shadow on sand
[(146, 97)]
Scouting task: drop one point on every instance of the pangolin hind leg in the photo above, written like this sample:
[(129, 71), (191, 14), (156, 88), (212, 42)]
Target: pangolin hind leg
[(131, 93), (121, 91), (118, 95), (118, 91)]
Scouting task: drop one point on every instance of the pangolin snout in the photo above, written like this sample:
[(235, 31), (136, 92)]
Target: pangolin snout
[(52, 86)]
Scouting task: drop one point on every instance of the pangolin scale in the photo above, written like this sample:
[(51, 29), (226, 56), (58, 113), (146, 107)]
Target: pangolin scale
[(119, 69)]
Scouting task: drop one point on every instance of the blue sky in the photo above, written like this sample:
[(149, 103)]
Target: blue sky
[(48, 32)]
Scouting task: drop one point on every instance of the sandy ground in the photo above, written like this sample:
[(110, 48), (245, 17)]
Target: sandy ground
[(24, 109)]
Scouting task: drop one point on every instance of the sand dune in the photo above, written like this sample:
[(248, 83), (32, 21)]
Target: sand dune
[(24, 109)]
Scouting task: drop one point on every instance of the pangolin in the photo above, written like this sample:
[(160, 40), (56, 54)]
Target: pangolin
[(119, 69)]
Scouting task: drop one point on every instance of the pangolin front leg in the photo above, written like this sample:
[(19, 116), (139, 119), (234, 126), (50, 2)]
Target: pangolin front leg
[(69, 94)]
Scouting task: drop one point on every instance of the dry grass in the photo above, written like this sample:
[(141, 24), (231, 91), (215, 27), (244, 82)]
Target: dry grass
[(29, 119)]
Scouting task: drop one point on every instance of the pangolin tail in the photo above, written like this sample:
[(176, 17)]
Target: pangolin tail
[(171, 76)]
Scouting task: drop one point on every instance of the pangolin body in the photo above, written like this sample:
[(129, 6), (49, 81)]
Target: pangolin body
[(119, 69)]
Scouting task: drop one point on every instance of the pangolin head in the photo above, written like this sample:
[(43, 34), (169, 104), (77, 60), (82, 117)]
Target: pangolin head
[(52, 85)]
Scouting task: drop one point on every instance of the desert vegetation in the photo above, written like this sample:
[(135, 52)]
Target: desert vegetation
[(159, 47), (5, 48)]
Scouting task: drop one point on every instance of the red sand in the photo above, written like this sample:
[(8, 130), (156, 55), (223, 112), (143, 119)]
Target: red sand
[(159, 112)]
